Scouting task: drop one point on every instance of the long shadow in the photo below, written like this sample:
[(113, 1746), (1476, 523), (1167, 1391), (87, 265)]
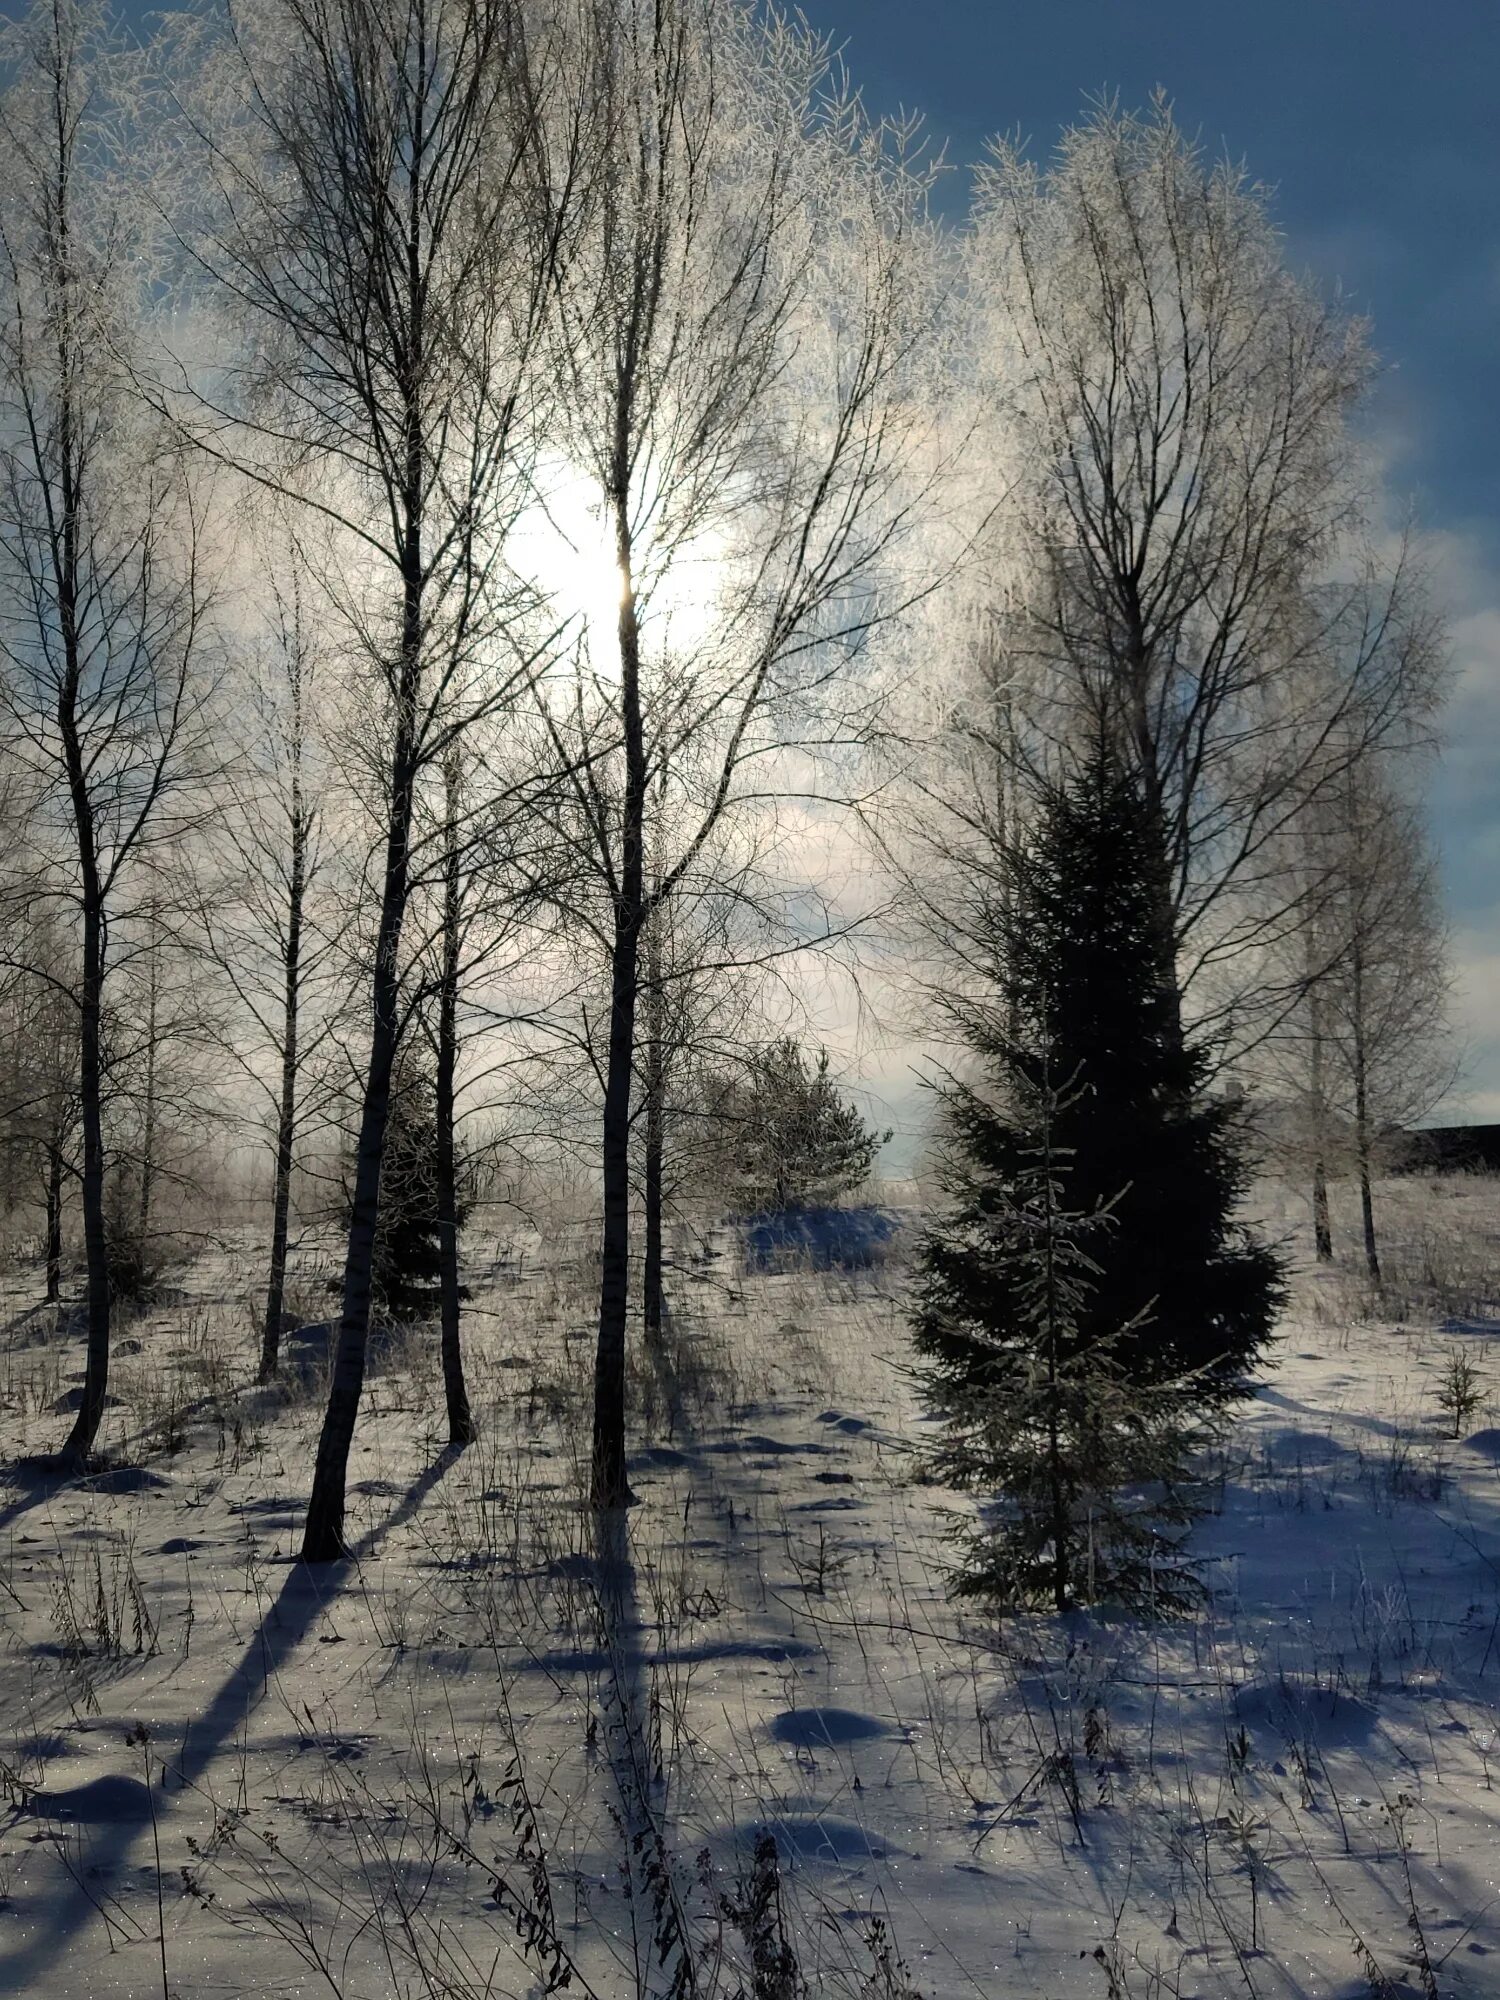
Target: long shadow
[(39, 1479), (118, 1813), (64, 1322), (34, 1480), (661, 1355), (39, 1476), (1356, 1420), (625, 1695), (679, 1370)]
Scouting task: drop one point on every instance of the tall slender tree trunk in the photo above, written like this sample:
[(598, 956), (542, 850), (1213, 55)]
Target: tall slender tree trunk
[(148, 1120), (54, 1223), (323, 1536), (1002, 722), (80, 1441), (1061, 1573), (1322, 1224), (1362, 1136), (653, 1295), (286, 1110), (610, 1487), (1322, 1214), (1366, 1196), (66, 579), (653, 1289), (461, 1427), (281, 1209), (1143, 742)]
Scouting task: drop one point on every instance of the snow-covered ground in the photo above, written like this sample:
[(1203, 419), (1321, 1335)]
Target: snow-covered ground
[(489, 1754)]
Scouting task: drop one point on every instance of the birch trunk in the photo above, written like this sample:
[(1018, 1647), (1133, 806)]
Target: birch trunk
[(610, 1486), (148, 1121), (1322, 1224), (54, 1224), (323, 1536), (461, 1427), (1362, 1136), (653, 1302), (286, 1115)]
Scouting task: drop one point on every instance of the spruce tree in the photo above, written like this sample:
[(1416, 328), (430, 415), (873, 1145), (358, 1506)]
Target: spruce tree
[(795, 1141), (1093, 1472), (1091, 1299), (406, 1270)]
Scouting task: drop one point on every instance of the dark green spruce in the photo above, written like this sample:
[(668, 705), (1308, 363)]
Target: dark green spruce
[(1089, 1303)]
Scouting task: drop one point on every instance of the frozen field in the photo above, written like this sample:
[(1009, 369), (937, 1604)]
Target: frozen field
[(488, 1756)]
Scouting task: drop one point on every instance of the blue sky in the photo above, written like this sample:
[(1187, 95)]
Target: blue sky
[(1377, 124)]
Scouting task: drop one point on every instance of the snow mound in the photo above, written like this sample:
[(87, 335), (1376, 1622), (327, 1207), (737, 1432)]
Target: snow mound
[(71, 1400), (111, 1801), (809, 1837), (126, 1479), (755, 1444), (1295, 1710), (1486, 1443), (1308, 1449), (825, 1728)]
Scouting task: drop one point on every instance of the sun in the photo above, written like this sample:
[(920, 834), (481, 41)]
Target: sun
[(563, 544)]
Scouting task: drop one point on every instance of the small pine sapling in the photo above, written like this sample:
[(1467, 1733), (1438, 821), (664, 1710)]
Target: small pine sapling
[(1460, 1389)]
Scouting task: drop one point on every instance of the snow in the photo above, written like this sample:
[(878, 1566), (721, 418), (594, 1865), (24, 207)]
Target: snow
[(277, 1782)]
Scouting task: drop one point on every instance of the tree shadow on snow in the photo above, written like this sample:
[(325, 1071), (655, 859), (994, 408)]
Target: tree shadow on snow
[(113, 1814)]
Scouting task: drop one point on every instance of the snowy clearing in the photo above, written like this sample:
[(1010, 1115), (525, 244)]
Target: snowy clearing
[(487, 1752)]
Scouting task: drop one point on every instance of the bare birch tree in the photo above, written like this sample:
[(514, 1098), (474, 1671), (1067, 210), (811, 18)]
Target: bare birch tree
[(476, 917), (39, 1082), (269, 916), (455, 1388), (100, 540), (385, 218), (1186, 540), (1381, 1048), (733, 343)]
